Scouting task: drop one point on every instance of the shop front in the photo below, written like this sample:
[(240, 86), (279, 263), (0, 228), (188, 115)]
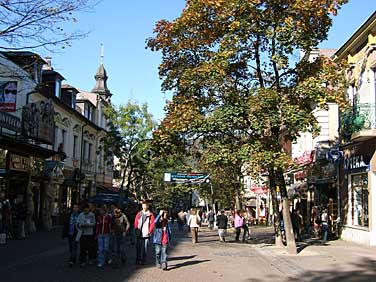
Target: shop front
[(359, 187)]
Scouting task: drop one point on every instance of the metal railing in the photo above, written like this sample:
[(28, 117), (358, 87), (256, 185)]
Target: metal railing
[(365, 115)]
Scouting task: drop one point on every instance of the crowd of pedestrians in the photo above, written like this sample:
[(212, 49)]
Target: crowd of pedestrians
[(99, 235)]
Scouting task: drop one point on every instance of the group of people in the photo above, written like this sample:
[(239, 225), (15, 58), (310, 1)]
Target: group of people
[(101, 235)]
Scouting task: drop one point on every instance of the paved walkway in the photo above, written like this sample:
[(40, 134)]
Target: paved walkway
[(43, 258)]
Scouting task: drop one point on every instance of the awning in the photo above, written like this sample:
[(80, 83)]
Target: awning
[(21, 147)]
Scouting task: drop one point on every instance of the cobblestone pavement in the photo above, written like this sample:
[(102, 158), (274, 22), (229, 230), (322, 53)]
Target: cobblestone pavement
[(43, 258)]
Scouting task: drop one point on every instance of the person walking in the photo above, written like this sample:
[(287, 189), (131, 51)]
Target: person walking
[(239, 222), (161, 239), (70, 231), (297, 223), (181, 220), (86, 224), (120, 226), (324, 224), (211, 219), (103, 230), (222, 226), (144, 227), (194, 224)]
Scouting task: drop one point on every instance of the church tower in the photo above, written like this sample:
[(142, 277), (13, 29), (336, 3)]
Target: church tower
[(101, 77)]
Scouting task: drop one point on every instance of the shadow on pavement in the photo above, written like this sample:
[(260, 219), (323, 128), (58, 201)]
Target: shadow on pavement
[(181, 258), (187, 263)]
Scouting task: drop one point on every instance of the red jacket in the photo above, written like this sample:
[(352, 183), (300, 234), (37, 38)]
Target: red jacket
[(151, 221), (103, 224)]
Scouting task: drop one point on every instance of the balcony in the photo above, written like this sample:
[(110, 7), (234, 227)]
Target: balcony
[(359, 123)]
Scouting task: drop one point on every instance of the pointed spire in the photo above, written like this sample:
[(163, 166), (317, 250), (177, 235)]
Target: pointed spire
[(101, 77), (102, 53)]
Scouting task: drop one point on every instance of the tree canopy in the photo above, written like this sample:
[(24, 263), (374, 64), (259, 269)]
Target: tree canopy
[(239, 81)]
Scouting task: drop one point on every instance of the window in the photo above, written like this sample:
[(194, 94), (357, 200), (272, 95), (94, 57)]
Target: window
[(57, 87), (84, 151), (90, 151), (73, 105), (89, 111), (75, 145), (359, 186), (64, 137), (56, 138)]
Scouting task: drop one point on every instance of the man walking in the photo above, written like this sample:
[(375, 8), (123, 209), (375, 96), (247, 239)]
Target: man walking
[(211, 219), (86, 224), (144, 226), (222, 226), (120, 226)]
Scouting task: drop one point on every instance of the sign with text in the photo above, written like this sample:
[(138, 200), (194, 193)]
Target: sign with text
[(10, 122), (17, 162), (184, 178)]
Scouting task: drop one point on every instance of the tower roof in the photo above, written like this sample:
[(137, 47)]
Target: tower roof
[(101, 82)]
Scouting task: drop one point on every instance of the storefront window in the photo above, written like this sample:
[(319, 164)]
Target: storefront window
[(359, 184)]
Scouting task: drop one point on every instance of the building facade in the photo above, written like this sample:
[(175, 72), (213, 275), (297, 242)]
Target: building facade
[(51, 140), (358, 130)]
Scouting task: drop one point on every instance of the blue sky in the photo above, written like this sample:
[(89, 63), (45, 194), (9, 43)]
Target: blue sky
[(133, 70)]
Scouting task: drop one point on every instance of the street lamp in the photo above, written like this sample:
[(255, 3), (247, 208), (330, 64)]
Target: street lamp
[(212, 199)]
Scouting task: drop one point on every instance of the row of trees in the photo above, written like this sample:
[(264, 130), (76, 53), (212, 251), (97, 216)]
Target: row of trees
[(240, 91)]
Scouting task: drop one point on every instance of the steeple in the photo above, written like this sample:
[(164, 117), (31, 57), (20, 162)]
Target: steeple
[(101, 77)]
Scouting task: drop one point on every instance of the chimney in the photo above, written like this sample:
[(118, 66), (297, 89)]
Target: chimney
[(48, 66)]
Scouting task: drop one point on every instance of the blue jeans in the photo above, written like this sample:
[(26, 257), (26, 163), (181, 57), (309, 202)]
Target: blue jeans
[(141, 249), (119, 247), (160, 254), (325, 228), (103, 247)]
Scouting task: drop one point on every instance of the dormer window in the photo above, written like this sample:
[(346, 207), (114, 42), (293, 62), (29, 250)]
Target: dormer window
[(57, 87), (89, 111)]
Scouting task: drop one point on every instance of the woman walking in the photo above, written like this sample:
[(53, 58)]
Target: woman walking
[(239, 222), (194, 223), (161, 238)]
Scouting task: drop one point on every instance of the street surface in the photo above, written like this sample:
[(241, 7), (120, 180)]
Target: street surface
[(43, 257)]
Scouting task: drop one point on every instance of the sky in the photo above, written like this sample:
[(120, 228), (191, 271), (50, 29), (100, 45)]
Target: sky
[(132, 70)]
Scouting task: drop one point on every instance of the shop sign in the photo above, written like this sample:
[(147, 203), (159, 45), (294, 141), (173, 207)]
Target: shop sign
[(10, 122), (305, 158), (259, 190), (19, 163), (356, 162), (38, 121)]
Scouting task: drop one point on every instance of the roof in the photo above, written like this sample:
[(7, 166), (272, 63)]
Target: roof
[(87, 96), (363, 30)]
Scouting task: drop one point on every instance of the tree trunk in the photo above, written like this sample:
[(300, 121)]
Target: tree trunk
[(276, 219), (290, 238)]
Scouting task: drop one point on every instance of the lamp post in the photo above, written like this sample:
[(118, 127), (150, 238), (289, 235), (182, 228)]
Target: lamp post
[(212, 200)]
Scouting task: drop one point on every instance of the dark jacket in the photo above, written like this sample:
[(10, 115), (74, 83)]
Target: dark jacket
[(222, 221)]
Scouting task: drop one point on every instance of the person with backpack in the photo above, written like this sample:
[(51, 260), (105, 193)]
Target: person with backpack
[(144, 227), (119, 226), (161, 239)]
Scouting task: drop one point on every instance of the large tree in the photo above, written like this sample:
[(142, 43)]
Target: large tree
[(30, 24), (129, 141), (234, 69)]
